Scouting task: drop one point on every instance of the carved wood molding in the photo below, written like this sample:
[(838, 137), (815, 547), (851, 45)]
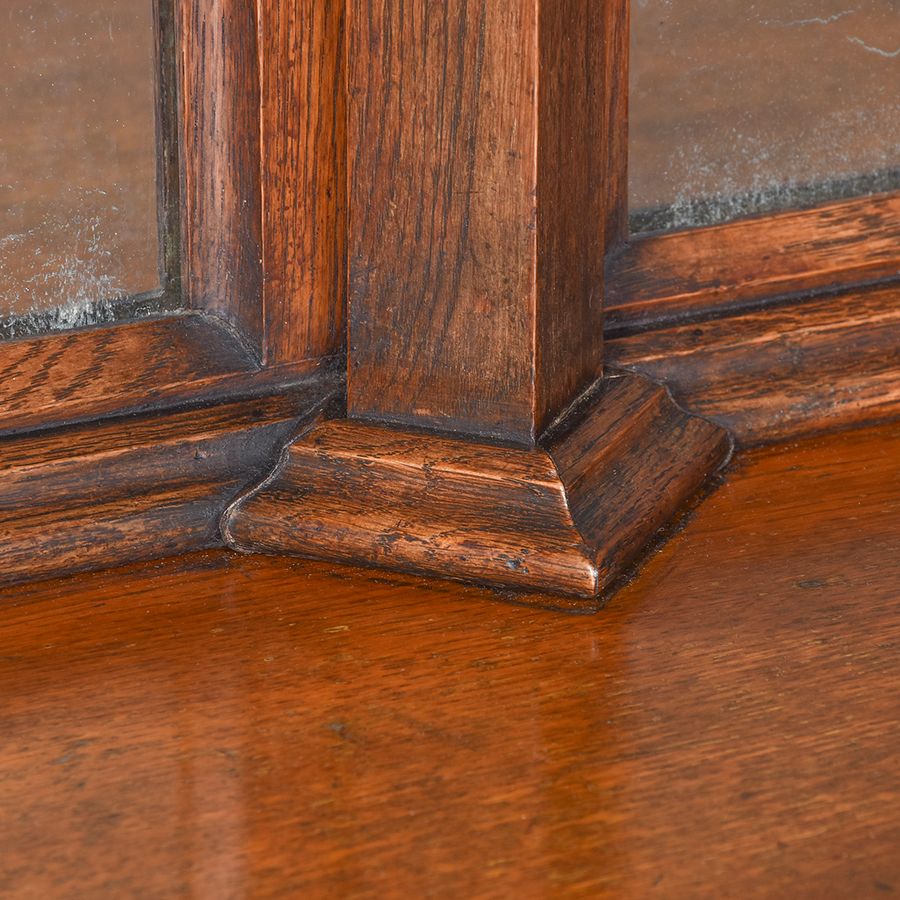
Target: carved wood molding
[(572, 516), (102, 494), (782, 372)]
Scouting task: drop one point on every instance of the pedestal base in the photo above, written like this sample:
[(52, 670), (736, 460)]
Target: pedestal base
[(572, 516)]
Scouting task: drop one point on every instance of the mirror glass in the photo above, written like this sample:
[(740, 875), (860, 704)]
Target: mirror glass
[(741, 108), (78, 161)]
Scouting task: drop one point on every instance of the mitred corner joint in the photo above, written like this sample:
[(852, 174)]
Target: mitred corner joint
[(571, 517)]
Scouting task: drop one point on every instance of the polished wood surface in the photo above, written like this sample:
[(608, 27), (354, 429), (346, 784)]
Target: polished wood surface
[(219, 140), (780, 372), (59, 378), (304, 183), (572, 516), (617, 29), (139, 487), (118, 370), (476, 239), (264, 155), (714, 270), (229, 726)]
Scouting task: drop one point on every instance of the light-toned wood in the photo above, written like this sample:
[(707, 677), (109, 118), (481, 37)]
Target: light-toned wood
[(228, 726)]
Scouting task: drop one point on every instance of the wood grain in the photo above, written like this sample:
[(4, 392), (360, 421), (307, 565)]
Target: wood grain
[(221, 196), (777, 373), (475, 212), (99, 495), (617, 33), (101, 372), (572, 518), (304, 183), (250, 726), (662, 277)]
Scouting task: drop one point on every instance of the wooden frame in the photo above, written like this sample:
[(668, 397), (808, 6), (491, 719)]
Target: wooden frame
[(259, 307), (656, 279), (453, 174), (259, 316), (480, 136)]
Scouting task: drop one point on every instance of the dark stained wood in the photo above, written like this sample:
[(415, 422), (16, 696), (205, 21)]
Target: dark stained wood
[(100, 372), (571, 518), (168, 160), (571, 140), (220, 143), (247, 726), (777, 373), (264, 156), (304, 181), (616, 31), (665, 276), (129, 489), (476, 213)]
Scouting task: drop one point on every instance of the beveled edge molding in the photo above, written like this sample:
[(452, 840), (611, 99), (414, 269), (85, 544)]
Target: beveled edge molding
[(780, 372), (138, 487), (570, 517)]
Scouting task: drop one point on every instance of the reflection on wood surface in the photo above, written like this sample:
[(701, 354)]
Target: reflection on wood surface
[(224, 726)]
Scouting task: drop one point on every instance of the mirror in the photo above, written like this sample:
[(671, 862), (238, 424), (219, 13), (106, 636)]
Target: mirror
[(738, 109), (79, 233)]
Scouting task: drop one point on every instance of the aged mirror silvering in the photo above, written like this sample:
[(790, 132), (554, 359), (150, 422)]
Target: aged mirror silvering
[(741, 108), (79, 235)]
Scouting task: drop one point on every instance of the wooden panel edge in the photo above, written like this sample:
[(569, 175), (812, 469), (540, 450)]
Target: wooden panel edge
[(96, 373), (104, 494), (219, 140), (780, 373), (659, 277)]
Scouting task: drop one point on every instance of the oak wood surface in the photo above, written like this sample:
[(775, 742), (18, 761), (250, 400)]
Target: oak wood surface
[(779, 372), (134, 488), (681, 273), (616, 34), (264, 150), (247, 726), (221, 198), (303, 157), (476, 235), (571, 517), (100, 372)]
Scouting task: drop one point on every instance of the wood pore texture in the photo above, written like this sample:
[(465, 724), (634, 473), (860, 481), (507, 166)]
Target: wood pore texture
[(570, 517), (264, 155), (780, 372), (476, 238), (669, 275), (220, 152), (228, 726), (133, 488), (304, 182)]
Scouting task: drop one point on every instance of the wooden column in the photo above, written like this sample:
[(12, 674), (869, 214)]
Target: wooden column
[(264, 155), (485, 169), (478, 149)]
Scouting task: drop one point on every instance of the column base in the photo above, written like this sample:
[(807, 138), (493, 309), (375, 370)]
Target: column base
[(572, 516)]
